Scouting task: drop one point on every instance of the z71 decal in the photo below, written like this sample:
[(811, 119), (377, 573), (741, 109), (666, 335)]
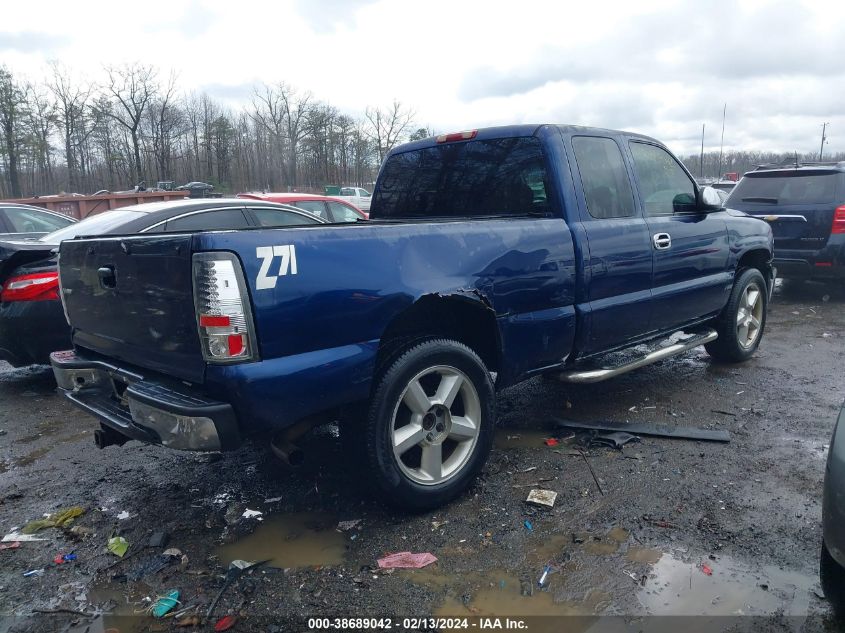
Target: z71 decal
[(267, 279)]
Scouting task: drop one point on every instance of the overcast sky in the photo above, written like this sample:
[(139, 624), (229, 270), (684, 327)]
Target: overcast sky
[(659, 67)]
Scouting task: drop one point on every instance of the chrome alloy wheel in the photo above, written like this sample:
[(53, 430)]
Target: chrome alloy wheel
[(749, 316), (435, 425)]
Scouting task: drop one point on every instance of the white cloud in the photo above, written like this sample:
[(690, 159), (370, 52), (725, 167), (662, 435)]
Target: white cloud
[(661, 67)]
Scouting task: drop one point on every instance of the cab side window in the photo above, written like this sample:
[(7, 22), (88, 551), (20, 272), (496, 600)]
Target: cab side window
[(607, 188), (664, 186), (217, 220)]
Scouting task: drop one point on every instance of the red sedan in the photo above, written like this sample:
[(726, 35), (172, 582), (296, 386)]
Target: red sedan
[(330, 209)]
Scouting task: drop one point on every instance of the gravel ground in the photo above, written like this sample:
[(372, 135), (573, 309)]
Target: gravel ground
[(635, 537)]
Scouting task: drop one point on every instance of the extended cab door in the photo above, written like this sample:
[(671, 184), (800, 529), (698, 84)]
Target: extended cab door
[(617, 263), (691, 279)]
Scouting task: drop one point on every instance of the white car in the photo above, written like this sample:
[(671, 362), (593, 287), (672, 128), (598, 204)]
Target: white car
[(357, 196)]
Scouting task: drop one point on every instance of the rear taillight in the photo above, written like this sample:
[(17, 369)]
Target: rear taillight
[(222, 306), (838, 220), (34, 287)]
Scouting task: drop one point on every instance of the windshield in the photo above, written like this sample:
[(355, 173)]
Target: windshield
[(792, 188), (95, 225)]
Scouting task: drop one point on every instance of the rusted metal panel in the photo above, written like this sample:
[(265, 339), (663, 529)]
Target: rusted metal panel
[(82, 206)]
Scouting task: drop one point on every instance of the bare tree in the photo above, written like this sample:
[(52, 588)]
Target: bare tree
[(386, 126), (71, 106), (12, 113), (132, 87), (166, 121)]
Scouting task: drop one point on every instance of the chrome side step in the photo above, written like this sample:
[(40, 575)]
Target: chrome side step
[(597, 375)]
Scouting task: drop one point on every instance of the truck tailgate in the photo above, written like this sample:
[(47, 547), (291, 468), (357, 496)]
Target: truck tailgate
[(131, 299)]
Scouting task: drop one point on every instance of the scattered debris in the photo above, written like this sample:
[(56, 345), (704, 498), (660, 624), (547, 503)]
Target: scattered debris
[(550, 441), (33, 572), (527, 470), (226, 622), (64, 558), (60, 518), (542, 497), (191, 620), (436, 525), (172, 552), (252, 514), (273, 499), (150, 566), (528, 526), (706, 569), (81, 530), (733, 415), (118, 545), (406, 560), (661, 523), (158, 539), (592, 472), (23, 538), (614, 439), (578, 538), (643, 428), (121, 516), (345, 526), (546, 570), (237, 568), (165, 604), (12, 545)]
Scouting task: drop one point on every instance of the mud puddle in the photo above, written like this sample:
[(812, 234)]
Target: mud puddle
[(500, 593), (290, 540), (675, 587)]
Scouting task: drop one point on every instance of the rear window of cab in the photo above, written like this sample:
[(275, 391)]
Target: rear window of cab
[(496, 177)]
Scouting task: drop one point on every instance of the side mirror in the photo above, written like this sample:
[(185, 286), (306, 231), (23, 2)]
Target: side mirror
[(709, 200)]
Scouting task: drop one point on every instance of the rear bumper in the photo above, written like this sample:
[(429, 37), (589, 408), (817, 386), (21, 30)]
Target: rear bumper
[(156, 411), (30, 330), (826, 263)]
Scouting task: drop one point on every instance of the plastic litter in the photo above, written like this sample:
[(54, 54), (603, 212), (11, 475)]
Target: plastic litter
[(528, 526), (33, 572), (345, 526), (64, 558), (118, 545), (121, 516), (226, 622), (191, 620), (550, 441), (158, 539), (546, 571), (23, 538), (614, 439), (174, 552), (252, 514), (12, 545), (436, 525), (544, 498), (706, 569), (406, 560), (60, 518), (165, 603)]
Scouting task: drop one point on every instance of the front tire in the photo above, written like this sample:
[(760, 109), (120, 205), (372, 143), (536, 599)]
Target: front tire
[(430, 424), (741, 324), (832, 577)]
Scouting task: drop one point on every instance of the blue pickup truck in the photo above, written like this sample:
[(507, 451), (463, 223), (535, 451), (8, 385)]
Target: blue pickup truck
[(491, 256)]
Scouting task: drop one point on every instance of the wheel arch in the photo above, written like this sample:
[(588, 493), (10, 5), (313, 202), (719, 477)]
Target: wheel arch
[(464, 316)]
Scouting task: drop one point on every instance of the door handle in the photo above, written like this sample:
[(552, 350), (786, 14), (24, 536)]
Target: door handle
[(662, 241), (107, 278)]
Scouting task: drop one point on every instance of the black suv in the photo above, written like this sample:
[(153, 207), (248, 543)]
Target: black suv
[(805, 204)]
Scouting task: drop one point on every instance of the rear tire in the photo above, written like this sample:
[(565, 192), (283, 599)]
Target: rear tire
[(741, 324), (832, 576), (430, 424)]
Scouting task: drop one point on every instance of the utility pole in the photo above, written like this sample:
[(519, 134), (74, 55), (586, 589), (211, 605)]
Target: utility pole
[(701, 160), (821, 149), (722, 145)]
